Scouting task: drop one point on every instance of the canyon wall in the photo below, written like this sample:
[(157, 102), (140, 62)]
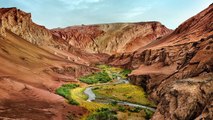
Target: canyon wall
[(21, 24), (174, 67), (112, 38), (176, 70)]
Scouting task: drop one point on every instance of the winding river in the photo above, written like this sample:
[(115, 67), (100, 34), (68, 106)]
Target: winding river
[(91, 96)]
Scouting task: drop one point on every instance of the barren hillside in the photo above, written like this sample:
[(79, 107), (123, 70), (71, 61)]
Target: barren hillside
[(112, 38), (176, 70)]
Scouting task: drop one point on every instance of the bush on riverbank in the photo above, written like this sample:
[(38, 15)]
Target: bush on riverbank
[(107, 74), (149, 113), (64, 91), (101, 77), (135, 109), (115, 72), (103, 114), (121, 108), (124, 73)]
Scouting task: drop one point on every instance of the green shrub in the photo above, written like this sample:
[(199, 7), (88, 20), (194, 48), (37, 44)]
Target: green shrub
[(114, 103), (129, 97), (101, 77), (148, 113), (64, 91), (135, 109), (121, 108), (125, 72), (107, 74), (103, 114), (96, 88), (72, 102)]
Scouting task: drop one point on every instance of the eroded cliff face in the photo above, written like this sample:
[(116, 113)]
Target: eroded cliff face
[(112, 38), (177, 82), (197, 27), (177, 73), (175, 68), (21, 24), (33, 65)]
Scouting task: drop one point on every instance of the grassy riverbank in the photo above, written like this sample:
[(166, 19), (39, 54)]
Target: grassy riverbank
[(109, 109), (78, 95), (64, 91), (106, 74), (124, 92)]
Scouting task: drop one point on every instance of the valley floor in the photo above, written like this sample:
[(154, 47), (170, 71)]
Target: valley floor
[(113, 99)]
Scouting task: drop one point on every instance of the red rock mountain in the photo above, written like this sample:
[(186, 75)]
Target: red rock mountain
[(177, 70), (33, 65), (192, 30), (175, 67), (20, 23), (112, 38)]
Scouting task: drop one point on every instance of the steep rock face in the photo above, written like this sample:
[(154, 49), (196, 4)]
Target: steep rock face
[(187, 99), (174, 85), (177, 73), (112, 38), (21, 24), (194, 29)]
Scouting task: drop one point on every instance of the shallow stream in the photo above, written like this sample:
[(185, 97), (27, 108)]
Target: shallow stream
[(92, 97)]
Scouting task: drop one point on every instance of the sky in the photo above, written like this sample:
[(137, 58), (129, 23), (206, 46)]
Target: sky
[(63, 13)]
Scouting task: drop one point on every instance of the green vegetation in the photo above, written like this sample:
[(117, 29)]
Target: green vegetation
[(121, 108), (114, 72), (103, 114), (135, 109), (124, 73), (101, 77), (148, 113), (114, 103), (78, 95), (106, 74), (64, 91), (124, 92)]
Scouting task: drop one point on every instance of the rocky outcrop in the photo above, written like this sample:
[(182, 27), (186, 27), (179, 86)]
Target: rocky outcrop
[(177, 70), (175, 77), (197, 27), (112, 38), (21, 24), (186, 99)]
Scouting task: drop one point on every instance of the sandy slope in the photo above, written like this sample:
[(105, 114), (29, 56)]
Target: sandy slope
[(27, 80)]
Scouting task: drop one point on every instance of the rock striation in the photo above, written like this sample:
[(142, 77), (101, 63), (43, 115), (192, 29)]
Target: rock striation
[(20, 23), (112, 38), (176, 70)]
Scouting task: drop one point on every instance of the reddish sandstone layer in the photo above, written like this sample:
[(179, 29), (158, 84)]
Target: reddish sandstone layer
[(177, 70), (112, 38), (33, 65)]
